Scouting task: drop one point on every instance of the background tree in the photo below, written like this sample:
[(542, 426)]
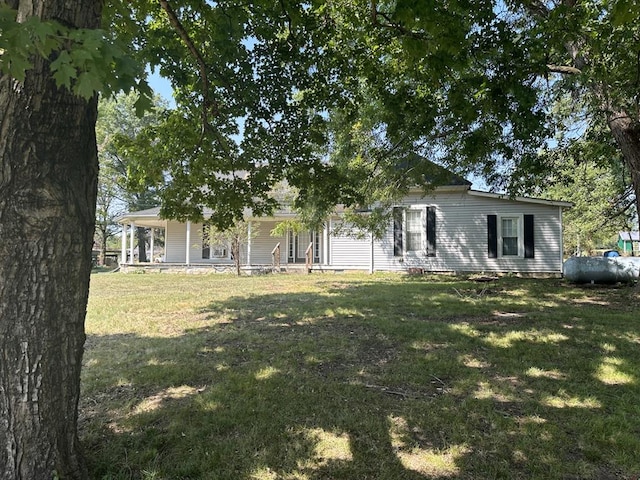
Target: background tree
[(589, 171), (116, 129), (234, 238), (602, 205), (473, 85), (106, 210)]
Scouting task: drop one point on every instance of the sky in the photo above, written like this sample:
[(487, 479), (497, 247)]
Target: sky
[(161, 86)]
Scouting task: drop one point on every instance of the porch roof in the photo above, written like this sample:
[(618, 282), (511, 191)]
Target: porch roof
[(630, 236), (151, 217)]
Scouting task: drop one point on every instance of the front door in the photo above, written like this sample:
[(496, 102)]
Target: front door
[(298, 244)]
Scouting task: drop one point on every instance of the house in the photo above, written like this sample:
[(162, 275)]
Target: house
[(452, 229), (629, 243)]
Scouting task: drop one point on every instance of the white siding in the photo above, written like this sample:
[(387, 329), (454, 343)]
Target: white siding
[(175, 241), (347, 251), (263, 243), (461, 236)]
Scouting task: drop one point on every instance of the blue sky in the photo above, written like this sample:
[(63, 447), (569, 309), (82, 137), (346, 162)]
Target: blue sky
[(161, 86)]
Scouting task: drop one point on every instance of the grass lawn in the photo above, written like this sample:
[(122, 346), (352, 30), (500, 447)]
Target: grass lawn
[(359, 377)]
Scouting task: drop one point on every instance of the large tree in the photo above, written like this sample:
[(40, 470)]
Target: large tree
[(48, 173), (230, 64)]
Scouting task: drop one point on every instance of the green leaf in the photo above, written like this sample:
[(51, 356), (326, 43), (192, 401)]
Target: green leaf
[(87, 85), (63, 71), (18, 65)]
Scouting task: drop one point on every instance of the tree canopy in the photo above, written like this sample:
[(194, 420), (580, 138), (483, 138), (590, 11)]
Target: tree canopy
[(324, 93), (337, 96)]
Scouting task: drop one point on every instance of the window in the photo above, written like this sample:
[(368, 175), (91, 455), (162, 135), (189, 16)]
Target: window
[(210, 250), (218, 251), (510, 236), (414, 231)]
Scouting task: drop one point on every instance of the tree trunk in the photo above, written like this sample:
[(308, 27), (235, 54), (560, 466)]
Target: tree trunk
[(626, 132), (104, 236), (141, 233), (48, 177)]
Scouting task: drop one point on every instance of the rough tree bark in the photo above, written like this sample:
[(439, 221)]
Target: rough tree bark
[(626, 133), (48, 177)]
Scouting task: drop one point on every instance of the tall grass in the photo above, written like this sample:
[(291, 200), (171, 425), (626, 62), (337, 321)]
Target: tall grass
[(359, 377)]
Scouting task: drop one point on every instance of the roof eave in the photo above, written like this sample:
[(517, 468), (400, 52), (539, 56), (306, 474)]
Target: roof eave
[(539, 201)]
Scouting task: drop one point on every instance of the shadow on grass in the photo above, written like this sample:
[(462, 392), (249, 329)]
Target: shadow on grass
[(376, 380)]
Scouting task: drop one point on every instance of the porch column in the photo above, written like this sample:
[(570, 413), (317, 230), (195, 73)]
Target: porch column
[(325, 243), (152, 234), (188, 246), (123, 252), (131, 239), (249, 243)]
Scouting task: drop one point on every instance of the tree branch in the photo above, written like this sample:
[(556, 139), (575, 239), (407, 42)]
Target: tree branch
[(184, 35), (564, 69), (392, 25)]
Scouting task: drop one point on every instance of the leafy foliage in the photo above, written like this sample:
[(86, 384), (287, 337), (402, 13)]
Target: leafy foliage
[(234, 237), (337, 97), (85, 61)]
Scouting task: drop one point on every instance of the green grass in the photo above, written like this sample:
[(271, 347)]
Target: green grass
[(359, 377)]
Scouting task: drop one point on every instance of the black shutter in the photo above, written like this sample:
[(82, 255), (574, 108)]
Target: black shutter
[(431, 232), (206, 248), (492, 235), (397, 231), (529, 250)]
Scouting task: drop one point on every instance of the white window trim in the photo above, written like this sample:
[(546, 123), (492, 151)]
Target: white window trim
[(520, 219), (223, 255)]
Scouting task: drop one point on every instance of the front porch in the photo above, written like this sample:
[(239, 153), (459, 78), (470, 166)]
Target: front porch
[(186, 247)]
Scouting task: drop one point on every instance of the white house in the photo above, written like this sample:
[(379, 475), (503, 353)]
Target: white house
[(452, 229)]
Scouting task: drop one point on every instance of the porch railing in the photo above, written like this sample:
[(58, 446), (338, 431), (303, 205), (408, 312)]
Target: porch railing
[(275, 258), (308, 257)]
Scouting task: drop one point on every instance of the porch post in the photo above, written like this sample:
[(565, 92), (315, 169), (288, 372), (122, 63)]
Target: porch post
[(325, 242), (188, 246), (123, 251), (152, 234), (249, 244), (131, 239)]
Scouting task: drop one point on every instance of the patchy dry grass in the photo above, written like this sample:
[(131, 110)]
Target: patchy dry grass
[(359, 377)]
